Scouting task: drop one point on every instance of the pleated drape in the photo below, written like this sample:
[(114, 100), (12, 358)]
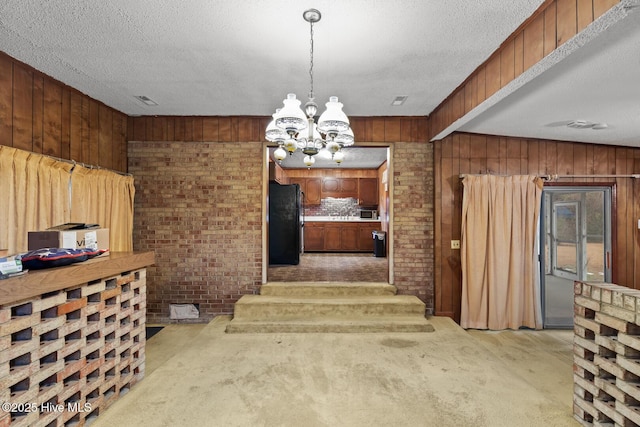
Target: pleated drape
[(500, 277), (106, 198), (40, 192), (35, 195)]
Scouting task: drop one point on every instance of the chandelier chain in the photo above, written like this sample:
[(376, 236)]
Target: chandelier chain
[(311, 61), (289, 123)]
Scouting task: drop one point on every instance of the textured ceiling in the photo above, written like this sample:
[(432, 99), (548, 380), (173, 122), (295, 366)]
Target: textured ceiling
[(241, 57)]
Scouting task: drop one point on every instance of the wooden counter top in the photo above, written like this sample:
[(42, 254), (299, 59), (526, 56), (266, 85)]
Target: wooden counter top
[(38, 282)]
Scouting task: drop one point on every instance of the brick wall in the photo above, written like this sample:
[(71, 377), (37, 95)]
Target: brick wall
[(413, 224), (80, 348), (198, 206), (606, 372)]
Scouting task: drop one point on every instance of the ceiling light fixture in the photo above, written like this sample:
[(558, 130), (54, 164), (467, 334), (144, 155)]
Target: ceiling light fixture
[(293, 129)]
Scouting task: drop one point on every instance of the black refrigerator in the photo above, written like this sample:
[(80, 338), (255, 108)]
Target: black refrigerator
[(285, 223)]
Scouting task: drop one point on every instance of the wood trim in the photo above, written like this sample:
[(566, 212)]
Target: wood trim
[(251, 128)]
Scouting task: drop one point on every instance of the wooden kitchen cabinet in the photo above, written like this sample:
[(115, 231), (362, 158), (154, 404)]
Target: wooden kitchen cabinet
[(349, 187), (339, 236), (277, 173), (368, 192), (300, 182), (330, 186), (314, 237), (349, 236), (333, 240), (339, 187), (313, 191), (365, 236)]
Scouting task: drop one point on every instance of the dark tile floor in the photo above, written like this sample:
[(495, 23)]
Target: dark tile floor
[(343, 267)]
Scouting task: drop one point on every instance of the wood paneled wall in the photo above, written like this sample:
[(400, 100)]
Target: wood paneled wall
[(462, 153), (555, 22), (247, 128), (41, 115)]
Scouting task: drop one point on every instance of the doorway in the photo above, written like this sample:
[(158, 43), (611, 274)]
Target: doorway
[(576, 245), (350, 266)]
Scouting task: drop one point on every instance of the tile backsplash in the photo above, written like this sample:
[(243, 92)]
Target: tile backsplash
[(331, 206)]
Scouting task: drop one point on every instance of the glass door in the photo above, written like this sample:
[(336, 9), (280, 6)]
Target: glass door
[(576, 237), (565, 240)]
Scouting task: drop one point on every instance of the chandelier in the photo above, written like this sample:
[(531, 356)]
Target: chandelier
[(293, 129)]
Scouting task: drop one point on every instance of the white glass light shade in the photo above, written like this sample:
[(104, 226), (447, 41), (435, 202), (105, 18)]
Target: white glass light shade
[(333, 121), (279, 154), (345, 139), (290, 145), (273, 133), (338, 157), (309, 161), (310, 108), (333, 147), (291, 118)]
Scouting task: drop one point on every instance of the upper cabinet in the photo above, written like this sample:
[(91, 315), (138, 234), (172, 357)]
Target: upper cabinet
[(311, 187), (277, 173), (339, 187), (361, 185), (368, 191), (313, 191)]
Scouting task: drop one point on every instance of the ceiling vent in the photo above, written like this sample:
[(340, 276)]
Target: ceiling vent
[(398, 100), (579, 124), (584, 124), (145, 100)]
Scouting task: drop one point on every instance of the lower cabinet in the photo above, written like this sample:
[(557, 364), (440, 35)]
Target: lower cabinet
[(314, 237), (365, 236), (339, 236)]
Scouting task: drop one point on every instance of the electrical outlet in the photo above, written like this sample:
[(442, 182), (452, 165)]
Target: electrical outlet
[(455, 244)]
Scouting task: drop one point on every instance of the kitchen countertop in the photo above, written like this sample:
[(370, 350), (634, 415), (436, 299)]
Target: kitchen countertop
[(338, 219)]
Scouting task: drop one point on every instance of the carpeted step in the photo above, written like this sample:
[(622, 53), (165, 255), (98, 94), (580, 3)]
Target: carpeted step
[(333, 325), (320, 289), (328, 307), (265, 307)]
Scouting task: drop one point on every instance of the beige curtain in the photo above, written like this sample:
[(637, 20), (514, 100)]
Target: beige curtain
[(35, 195), (39, 192), (106, 198), (500, 276)]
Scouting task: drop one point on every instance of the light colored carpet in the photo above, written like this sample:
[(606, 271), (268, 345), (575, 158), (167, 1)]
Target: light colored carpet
[(199, 376)]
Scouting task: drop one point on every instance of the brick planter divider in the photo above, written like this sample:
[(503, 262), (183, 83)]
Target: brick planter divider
[(67, 355), (606, 369)]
